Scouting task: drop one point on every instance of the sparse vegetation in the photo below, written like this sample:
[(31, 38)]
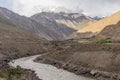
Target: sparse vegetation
[(11, 73)]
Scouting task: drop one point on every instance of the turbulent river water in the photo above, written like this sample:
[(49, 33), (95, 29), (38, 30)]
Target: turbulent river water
[(45, 71)]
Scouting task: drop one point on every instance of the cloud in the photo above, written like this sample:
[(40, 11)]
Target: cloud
[(89, 7)]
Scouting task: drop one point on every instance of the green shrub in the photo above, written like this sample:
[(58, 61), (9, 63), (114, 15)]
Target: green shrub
[(104, 41), (11, 73), (2, 74), (15, 71)]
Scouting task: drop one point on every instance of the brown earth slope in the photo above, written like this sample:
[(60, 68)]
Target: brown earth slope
[(112, 32), (94, 56), (89, 59)]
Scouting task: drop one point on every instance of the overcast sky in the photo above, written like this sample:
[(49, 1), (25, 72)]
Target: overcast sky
[(89, 7)]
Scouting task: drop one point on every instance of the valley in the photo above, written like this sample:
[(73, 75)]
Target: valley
[(44, 71), (59, 46)]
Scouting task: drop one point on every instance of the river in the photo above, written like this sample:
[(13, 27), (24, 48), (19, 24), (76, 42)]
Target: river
[(45, 71)]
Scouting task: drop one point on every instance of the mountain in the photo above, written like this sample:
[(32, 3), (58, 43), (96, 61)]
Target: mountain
[(73, 20), (47, 32), (16, 41), (10, 30), (111, 32), (98, 26)]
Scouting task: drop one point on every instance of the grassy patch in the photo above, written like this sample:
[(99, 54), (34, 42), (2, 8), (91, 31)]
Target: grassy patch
[(102, 41)]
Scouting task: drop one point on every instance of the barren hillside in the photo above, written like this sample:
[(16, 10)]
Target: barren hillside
[(111, 31)]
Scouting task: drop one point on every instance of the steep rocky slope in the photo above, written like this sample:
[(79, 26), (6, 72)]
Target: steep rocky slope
[(50, 33), (111, 32), (72, 20), (101, 24), (60, 30)]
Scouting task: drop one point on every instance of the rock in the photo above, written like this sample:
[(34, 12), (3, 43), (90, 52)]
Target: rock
[(93, 72)]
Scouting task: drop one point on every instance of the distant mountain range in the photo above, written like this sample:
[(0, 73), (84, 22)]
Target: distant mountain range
[(47, 32), (73, 20), (49, 25), (96, 27)]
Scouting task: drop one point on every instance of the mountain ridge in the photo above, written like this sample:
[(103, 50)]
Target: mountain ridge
[(35, 27), (71, 20), (101, 24)]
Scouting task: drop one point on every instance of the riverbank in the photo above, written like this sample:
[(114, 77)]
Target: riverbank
[(99, 61), (11, 49), (82, 71), (25, 74), (17, 49), (17, 73)]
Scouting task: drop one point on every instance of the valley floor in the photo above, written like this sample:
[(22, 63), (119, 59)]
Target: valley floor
[(100, 61), (96, 60)]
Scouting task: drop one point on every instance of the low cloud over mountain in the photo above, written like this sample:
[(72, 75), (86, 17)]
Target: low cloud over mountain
[(91, 7)]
